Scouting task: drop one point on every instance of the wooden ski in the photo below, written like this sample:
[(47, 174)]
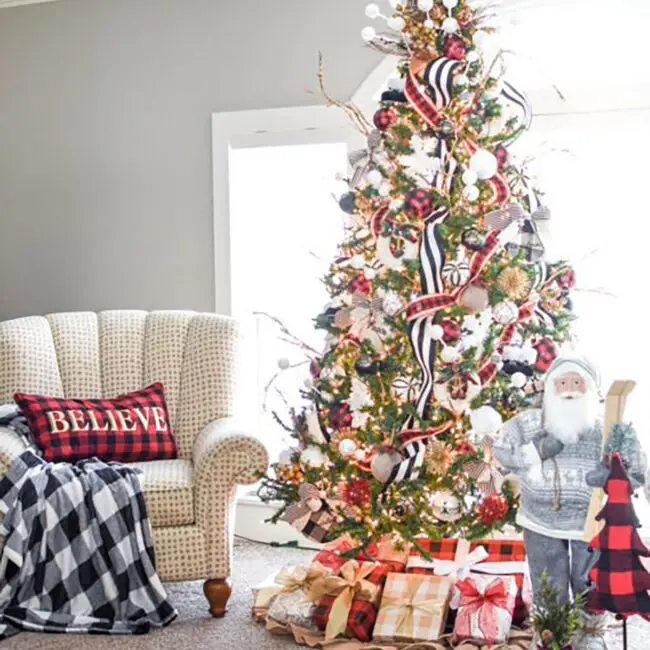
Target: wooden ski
[(614, 408)]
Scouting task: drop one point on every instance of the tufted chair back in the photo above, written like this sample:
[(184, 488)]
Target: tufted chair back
[(105, 354)]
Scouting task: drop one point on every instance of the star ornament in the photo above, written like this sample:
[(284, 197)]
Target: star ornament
[(422, 164)]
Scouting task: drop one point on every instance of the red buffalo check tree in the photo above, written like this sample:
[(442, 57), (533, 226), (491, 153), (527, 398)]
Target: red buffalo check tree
[(621, 582), (444, 314)]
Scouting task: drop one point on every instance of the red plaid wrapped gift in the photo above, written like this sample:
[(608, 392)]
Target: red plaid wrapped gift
[(458, 558), (347, 603), (413, 608), (382, 551), (485, 609)]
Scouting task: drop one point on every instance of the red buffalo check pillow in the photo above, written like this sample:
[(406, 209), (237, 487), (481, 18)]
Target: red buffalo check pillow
[(127, 428)]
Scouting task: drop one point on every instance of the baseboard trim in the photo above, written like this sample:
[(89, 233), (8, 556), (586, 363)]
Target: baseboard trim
[(250, 524)]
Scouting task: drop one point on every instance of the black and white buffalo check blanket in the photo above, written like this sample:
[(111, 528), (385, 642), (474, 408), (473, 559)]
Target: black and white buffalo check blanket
[(78, 554)]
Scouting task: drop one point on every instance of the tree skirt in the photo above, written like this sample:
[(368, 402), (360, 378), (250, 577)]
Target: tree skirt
[(519, 639)]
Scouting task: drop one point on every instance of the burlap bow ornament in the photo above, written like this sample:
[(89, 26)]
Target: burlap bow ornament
[(365, 319), (313, 516), (527, 239), (346, 587), (486, 473)]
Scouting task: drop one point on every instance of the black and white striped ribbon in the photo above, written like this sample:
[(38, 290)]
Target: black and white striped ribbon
[(522, 102), (439, 76), (432, 257)]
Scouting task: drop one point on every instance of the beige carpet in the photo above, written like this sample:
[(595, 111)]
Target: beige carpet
[(195, 629)]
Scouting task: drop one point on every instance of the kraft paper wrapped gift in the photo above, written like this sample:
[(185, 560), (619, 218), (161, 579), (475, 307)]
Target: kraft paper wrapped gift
[(413, 608), (457, 558), (486, 606), (347, 603), (287, 580)]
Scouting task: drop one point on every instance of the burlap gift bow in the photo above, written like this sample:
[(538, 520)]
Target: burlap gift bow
[(407, 604), (484, 601), (349, 585), (290, 579)]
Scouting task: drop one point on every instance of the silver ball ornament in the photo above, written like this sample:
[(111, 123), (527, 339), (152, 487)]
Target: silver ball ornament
[(283, 363), (382, 464), (347, 447)]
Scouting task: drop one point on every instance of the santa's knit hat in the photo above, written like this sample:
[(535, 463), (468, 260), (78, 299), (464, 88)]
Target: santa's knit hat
[(578, 362)]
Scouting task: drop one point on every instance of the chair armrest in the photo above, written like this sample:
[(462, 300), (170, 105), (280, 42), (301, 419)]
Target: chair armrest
[(11, 446), (225, 453)]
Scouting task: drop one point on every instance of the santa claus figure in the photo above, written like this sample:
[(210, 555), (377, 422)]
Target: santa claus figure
[(557, 454)]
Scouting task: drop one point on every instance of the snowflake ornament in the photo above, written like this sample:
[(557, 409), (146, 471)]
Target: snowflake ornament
[(421, 165)]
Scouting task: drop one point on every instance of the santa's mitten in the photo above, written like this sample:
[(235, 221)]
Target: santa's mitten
[(548, 446), (598, 477)]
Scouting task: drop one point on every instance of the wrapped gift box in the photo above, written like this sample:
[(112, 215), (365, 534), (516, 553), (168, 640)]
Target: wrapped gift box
[(383, 551), (347, 603), (289, 579), (458, 558), (485, 609), (414, 608)]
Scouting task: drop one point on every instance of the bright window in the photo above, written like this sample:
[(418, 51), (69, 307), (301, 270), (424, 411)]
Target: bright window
[(285, 228)]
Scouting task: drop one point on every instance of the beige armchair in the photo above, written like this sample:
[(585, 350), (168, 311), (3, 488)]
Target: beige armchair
[(197, 358)]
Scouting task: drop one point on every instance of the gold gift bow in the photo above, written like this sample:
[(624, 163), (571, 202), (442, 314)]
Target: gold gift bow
[(349, 585), (406, 622), (287, 582)]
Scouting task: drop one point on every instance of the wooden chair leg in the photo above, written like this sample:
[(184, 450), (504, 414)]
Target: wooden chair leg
[(217, 592)]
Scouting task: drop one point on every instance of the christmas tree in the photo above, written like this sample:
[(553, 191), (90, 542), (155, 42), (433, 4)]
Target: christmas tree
[(620, 580), (443, 314)]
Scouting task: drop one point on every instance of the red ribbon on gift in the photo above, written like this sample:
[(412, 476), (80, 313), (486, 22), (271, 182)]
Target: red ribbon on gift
[(486, 603)]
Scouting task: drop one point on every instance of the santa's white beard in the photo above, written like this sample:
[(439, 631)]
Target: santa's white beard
[(566, 419)]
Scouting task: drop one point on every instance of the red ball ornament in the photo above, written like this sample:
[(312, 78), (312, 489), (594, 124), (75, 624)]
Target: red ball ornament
[(568, 279), (419, 203), (546, 353), (314, 368), (360, 284), (455, 49), (492, 508), (464, 447), (340, 416), (502, 156), (356, 492), (384, 118), (452, 330)]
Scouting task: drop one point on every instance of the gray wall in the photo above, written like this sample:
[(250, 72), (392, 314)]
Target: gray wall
[(105, 163)]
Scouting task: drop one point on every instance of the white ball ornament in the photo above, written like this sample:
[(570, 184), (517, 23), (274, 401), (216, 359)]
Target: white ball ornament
[(450, 354), (347, 447), (368, 34), (313, 457), (485, 420), (429, 24), (397, 23), (484, 163), (480, 37), (471, 193), (425, 5), (450, 4), (360, 454), (375, 177), (470, 177), (371, 274), (472, 56), (450, 25), (373, 11), (505, 312), (285, 457), (461, 80), (436, 332), (283, 363), (518, 380), (384, 190), (357, 262)]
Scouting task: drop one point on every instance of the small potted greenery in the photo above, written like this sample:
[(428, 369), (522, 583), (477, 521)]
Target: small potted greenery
[(557, 625)]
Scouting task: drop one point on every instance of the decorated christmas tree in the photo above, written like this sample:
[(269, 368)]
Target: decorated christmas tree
[(444, 314), (621, 582)]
